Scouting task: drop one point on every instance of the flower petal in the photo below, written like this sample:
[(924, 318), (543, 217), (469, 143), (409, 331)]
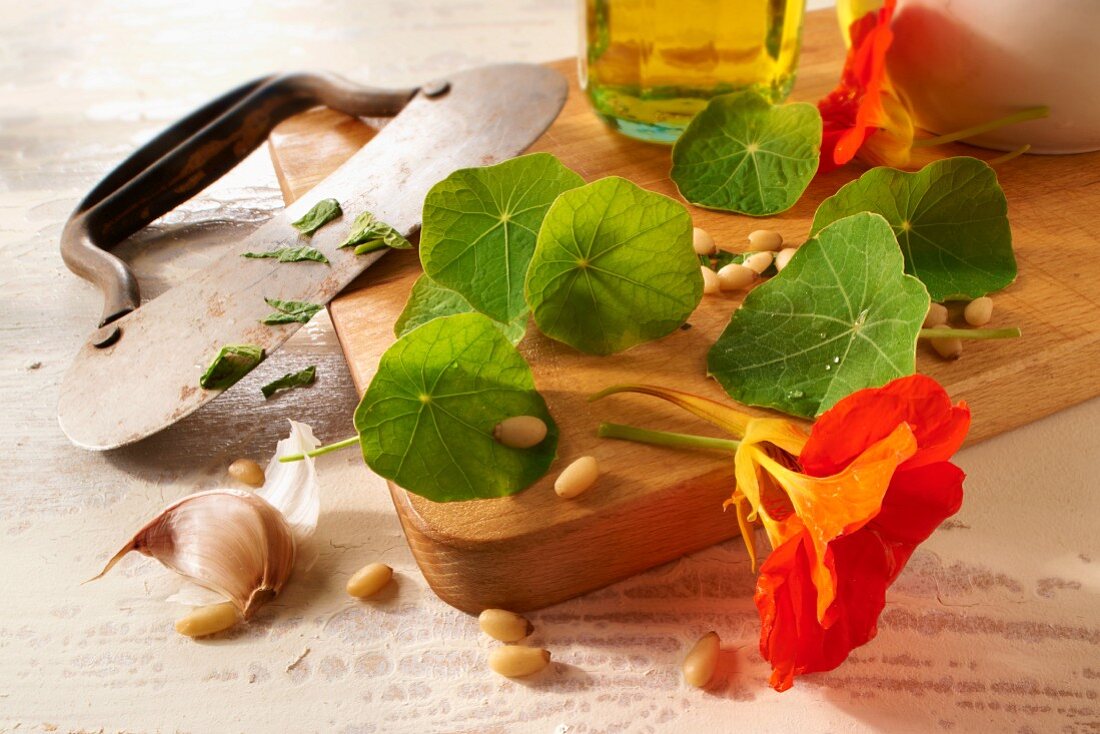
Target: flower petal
[(867, 416), (854, 109), (865, 563), (842, 503)]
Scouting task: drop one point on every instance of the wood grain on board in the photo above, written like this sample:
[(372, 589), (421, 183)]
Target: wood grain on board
[(653, 505)]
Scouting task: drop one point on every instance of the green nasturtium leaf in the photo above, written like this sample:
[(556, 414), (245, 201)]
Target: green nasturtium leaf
[(369, 233), (743, 154), (291, 380), (840, 317), (232, 362), (288, 312), (428, 300), (290, 255), (614, 267), (426, 421), (950, 218), (323, 212), (480, 226)]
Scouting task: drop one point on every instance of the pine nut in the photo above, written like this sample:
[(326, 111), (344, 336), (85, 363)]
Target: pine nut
[(577, 477), (765, 239), (369, 580), (208, 620), (702, 242), (701, 660), (248, 472), (517, 661), (979, 311), (784, 256), (937, 316), (503, 625), (520, 431), (758, 262), (710, 281), (948, 347), (735, 277)]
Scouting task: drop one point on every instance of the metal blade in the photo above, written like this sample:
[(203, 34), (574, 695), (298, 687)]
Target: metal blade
[(149, 378)]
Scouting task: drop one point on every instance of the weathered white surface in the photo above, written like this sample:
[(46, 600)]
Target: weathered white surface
[(994, 627)]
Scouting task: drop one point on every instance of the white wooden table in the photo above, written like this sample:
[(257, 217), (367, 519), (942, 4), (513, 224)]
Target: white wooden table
[(995, 626)]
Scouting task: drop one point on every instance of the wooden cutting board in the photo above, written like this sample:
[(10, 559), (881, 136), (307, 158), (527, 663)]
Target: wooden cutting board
[(653, 505)]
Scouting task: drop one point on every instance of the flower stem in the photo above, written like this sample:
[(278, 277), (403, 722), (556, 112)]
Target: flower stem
[(665, 438), (941, 332), (1032, 113), (1009, 155), (321, 450)]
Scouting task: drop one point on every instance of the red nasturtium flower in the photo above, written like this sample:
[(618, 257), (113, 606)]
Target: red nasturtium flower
[(843, 508), (863, 114)]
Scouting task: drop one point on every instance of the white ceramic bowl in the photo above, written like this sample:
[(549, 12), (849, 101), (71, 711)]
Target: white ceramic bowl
[(964, 62)]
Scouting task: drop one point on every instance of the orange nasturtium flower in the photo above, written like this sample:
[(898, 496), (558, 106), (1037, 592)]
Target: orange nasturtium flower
[(843, 507), (863, 115)]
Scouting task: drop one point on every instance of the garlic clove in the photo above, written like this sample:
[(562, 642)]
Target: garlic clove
[(232, 542), (292, 488)]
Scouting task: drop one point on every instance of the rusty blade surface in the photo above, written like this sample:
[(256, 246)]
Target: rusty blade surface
[(149, 378)]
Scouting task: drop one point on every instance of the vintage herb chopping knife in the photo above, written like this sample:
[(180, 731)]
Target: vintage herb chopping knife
[(140, 370)]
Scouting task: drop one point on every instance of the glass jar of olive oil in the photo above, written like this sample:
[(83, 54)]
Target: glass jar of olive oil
[(649, 65)]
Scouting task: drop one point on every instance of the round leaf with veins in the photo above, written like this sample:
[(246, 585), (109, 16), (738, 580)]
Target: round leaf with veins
[(842, 316), (426, 421)]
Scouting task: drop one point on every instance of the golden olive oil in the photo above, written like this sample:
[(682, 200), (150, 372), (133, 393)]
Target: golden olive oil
[(649, 65)]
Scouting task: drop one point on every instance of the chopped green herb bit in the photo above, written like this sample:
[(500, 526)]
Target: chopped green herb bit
[(290, 255), (323, 212), (291, 380), (232, 363), (287, 312), (368, 233)]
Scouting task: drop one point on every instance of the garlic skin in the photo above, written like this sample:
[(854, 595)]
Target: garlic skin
[(230, 541), (238, 544)]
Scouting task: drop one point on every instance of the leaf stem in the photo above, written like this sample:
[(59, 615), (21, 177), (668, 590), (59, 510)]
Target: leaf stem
[(665, 438), (1032, 113), (320, 450), (941, 332)]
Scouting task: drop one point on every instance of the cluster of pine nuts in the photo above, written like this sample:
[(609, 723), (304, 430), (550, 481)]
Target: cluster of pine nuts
[(511, 660), (765, 250), (977, 313)]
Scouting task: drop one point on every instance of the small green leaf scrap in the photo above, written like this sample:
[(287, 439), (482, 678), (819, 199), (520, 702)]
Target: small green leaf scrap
[(369, 233), (288, 312), (842, 316), (428, 300), (614, 267), (233, 362), (291, 380), (950, 219), (323, 212), (745, 155), (480, 227), (290, 254), (722, 258), (426, 421)]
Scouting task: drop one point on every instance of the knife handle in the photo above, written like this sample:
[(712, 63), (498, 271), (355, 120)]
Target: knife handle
[(186, 158)]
